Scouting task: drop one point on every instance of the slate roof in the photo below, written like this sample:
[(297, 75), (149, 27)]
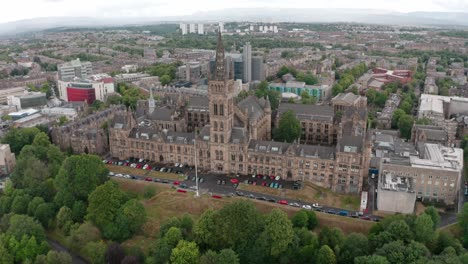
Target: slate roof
[(253, 105), (309, 112)]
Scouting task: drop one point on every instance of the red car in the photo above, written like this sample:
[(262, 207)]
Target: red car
[(148, 179), (235, 181), (176, 183), (181, 191), (138, 166), (283, 202), (259, 176), (217, 196), (254, 183), (272, 177), (366, 218), (148, 167), (264, 183)]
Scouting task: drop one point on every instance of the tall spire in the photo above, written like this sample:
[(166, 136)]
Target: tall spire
[(151, 103), (220, 63)]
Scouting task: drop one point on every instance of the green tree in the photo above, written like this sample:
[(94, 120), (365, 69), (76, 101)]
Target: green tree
[(55, 257), (82, 235), (355, 245), (45, 213), (104, 203), (5, 256), (165, 79), (300, 219), (185, 253), (306, 98), (331, 237), (434, 214), (64, 217), (135, 214), (33, 204), (400, 230), (405, 124), (17, 138), (463, 223), (277, 233), (289, 128), (173, 236), (20, 203), (374, 259), (63, 120), (406, 106), (94, 252), (398, 252), (326, 255), (78, 177), (423, 229), (312, 220), (225, 256), (396, 117)]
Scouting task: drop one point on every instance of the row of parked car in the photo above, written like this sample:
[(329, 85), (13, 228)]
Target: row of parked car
[(144, 165), (314, 206)]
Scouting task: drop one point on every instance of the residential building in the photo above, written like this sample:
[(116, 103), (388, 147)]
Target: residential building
[(183, 28), (384, 120), (201, 29), (7, 160)]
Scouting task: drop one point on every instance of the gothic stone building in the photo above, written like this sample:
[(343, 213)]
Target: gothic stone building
[(236, 138), (86, 135)]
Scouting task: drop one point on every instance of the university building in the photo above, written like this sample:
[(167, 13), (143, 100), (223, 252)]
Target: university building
[(229, 135)]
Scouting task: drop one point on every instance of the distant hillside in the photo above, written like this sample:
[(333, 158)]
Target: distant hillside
[(252, 14)]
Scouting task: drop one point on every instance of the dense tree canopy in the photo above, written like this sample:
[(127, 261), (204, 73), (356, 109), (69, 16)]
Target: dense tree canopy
[(77, 178), (289, 128)]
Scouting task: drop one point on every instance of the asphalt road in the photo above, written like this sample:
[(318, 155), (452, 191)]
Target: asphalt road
[(210, 186)]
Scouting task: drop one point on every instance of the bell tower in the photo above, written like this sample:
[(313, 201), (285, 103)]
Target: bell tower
[(221, 97)]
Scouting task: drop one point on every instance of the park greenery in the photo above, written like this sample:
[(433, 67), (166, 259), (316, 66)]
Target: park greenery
[(129, 95), (166, 72), (262, 91), (348, 77), (308, 78)]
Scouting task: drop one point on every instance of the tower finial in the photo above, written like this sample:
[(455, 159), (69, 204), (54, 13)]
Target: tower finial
[(220, 63)]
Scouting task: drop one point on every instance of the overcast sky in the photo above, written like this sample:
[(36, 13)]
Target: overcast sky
[(12, 10)]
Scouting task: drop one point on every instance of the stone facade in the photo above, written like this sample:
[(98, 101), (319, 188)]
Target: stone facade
[(86, 135), (231, 136)]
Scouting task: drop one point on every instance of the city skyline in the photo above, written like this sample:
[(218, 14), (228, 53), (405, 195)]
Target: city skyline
[(26, 9)]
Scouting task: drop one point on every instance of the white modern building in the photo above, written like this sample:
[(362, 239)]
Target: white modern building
[(221, 26), (192, 28), (183, 28), (73, 69), (102, 84), (69, 113), (201, 29)]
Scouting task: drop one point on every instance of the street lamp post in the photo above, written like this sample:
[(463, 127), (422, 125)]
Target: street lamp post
[(196, 168)]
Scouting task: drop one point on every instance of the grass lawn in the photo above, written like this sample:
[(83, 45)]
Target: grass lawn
[(140, 172), (168, 203), (310, 193)]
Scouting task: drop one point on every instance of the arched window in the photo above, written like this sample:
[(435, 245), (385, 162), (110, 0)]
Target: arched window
[(215, 125), (215, 109), (221, 126), (222, 138), (216, 138), (221, 110)]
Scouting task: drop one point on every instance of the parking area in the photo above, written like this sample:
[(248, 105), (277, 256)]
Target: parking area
[(219, 185)]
